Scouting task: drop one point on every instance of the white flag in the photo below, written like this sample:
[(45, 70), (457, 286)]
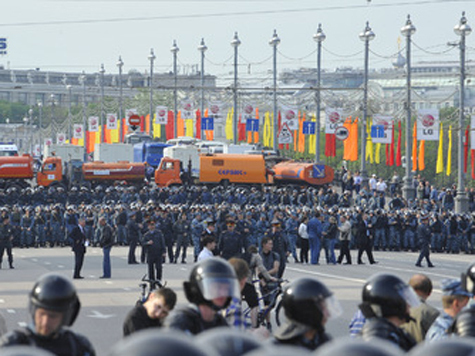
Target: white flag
[(48, 141), (334, 117), (216, 110), (290, 117), (60, 138), (111, 121), (78, 131), (383, 125), (93, 124), (162, 115), (187, 111), (428, 125)]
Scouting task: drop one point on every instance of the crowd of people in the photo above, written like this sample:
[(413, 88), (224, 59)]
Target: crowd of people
[(393, 318)]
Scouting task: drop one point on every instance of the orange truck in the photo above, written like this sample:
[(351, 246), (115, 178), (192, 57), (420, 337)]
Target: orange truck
[(222, 169), (19, 171), (301, 172), (244, 169)]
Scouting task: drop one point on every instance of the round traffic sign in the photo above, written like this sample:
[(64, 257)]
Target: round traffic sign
[(341, 133), (134, 120)]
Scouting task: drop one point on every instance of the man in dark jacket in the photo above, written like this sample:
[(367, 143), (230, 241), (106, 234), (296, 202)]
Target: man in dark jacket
[(152, 313), (79, 243), (133, 237), (106, 242), (6, 237), (155, 243)]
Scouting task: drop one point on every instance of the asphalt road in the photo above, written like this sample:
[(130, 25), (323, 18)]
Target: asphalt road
[(106, 302)]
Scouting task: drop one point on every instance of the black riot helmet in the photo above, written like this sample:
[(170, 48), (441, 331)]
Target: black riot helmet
[(386, 295), (228, 341), (349, 346), (308, 301), (464, 324), (164, 343), (213, 278), (448, 346), (23, 350), (468, 279), (55, 292)]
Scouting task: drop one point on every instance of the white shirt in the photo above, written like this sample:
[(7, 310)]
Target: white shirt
[(205, 254), (303, 233)]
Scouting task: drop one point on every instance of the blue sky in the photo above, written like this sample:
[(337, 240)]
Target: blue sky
[(76, 35)]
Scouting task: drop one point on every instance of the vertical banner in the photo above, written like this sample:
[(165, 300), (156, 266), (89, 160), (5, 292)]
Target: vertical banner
[(381, 129), (247, 113), (187, 111), (162, 115), (216, 110), (428, 125), (61, 138), (111, 121), (290, 117), (333, 119), (78, 132), (93, 124), (472, 132)]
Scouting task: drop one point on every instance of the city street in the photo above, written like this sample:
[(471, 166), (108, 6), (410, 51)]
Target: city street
[(106, 302)]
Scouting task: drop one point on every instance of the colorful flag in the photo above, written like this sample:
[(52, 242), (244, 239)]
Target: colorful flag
[(449, 153), (421, 159), (440, 152), (398, 149), (414, 147)]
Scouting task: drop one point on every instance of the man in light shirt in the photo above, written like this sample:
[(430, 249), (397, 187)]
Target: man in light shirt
[(209, 244)]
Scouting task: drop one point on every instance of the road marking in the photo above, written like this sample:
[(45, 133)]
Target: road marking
[(127, 289), (47, 263), (98, 315), (34, 259), (358, 280), (11, 311), (2, 300), (60, 266)]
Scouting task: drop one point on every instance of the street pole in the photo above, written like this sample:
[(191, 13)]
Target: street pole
[(102, 71), (151, 58), (120, 64), (235, 43), (461, 201), (82, 80), (53, 124), (175, 50), (319, 37), (40, 126), (202, 48), (366, 36), (70, 123), (408, 190), (274, 42)]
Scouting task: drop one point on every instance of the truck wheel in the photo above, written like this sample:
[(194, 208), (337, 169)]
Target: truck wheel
[(225, 183)]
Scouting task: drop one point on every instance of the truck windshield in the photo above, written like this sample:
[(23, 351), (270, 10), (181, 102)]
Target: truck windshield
[(156, 150)]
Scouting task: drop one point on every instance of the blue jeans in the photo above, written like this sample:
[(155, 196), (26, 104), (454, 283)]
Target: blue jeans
[(329, 245), (315, 248), (106, 262)]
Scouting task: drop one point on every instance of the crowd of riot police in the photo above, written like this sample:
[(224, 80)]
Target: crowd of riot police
[(45, 216)]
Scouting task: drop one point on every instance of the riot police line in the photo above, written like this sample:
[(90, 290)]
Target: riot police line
[(44, 217)]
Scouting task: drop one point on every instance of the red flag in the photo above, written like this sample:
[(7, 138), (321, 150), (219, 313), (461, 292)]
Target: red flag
[(398, 149), (391, 148), (241, 130), (170, 130), (465, 150), (124, 128), (198, 124), (473, 163), (279, 120), (330, 145), (387, 155)]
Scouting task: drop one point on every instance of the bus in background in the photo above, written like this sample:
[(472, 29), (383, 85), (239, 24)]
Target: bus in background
[(137, 137), (8, 149)]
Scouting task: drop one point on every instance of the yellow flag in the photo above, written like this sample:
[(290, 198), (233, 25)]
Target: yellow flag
[(312, 140), (271, 131), (189, 127), (229, 126), (369, 142), (377, 157), (449, 153), (440, 152)]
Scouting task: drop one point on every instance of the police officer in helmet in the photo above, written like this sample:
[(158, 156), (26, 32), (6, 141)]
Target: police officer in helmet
[(386, 303), (211, 287), (54, 306), (308, 305), (464, 324)]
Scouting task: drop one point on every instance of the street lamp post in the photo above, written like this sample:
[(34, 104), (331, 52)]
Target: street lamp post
[(175, 50), (151, 58), (274, 42), (40, 126), (30, 120), (235, 43), (319, 37), (408, 190), (82, 80), (462, 29), (202, 48), (366, 36), (102, 71), (120, 64), (53, 124), (70, 121)]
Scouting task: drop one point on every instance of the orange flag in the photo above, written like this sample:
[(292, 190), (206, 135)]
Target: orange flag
[(256, 134), (421, 161), (414, 147), (301, 135), (350, 145)]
